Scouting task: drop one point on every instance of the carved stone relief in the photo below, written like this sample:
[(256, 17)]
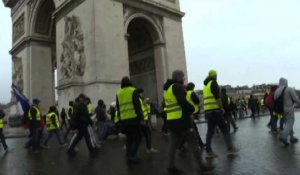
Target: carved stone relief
[(18, 28), (18, 73), (73, 58)]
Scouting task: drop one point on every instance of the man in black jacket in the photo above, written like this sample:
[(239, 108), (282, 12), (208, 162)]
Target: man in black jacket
[(227, 108), (80, 122), (179, 121)]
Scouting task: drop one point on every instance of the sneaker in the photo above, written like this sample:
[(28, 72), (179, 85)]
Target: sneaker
[(294, 140), (211, 154), (174, 170), (152, 150), (205, 167), (284, 141), (63, 145), (45, 146), (233, 151)]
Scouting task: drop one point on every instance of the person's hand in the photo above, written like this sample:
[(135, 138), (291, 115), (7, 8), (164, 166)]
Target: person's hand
[(223, 111)]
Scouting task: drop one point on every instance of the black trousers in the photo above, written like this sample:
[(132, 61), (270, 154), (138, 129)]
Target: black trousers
[(216, 118), (2, 139), (133, 141), (147, 133), (82, 132)]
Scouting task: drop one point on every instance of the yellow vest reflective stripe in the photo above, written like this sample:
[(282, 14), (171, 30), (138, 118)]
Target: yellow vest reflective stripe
[(1, 123), (90, 108), (173, 109), (229, 101), (116, 119), (210, 102), (144, 109), (38, 113), (189, 99), (126, 106), (50, 125)]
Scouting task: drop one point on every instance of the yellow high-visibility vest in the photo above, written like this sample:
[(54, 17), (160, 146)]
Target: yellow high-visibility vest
[(126, 106), (173, 109), (50, 125), (210, 102), (38, 113), (90, 109), (189, 99), (1, 123), (116, 119), (144, 109)]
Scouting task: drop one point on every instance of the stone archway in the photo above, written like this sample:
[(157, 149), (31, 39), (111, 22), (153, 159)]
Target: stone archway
[(43, 50), (142, 39)]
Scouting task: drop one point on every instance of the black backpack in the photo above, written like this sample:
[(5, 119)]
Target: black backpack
[(278, 103)]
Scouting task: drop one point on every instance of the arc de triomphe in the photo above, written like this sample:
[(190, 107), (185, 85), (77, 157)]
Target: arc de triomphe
[(92, 44)]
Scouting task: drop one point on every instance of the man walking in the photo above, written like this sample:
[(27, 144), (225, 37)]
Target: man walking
[(289, 98), (228, 113), (214, 114), (130, 113), (2, 138), (80, 122), (179, 112)]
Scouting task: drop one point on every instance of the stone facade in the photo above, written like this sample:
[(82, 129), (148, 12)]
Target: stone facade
[(92, 44)]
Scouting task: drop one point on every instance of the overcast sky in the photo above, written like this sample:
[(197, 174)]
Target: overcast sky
[(247, 42)]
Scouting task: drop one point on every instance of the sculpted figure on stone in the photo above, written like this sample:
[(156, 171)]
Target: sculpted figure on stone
[(73, 59)]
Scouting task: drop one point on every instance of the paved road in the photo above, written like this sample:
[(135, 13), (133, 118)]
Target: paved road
[(261, 154)]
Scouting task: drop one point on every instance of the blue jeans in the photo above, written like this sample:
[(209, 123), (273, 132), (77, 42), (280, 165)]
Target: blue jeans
[(102, 130), (57, 134), (216, 118)]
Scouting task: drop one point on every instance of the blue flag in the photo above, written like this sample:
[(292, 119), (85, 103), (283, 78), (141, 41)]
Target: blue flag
[(22, 100)]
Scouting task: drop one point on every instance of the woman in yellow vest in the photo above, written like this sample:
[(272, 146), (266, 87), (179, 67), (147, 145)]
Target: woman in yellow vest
[(2, 138), (53, 124), (146, 128)]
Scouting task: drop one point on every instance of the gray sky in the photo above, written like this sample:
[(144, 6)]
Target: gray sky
[(247, 42)]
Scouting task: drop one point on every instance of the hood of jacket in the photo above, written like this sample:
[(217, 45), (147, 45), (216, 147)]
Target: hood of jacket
[(169, 83), (207, 80)]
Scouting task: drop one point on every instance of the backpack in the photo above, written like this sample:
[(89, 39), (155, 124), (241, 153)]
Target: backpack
[(269, 101), (278, 103)]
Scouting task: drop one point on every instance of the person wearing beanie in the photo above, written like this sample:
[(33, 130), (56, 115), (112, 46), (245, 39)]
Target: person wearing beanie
[(289, 100), (179, 121), (80, 122), (130, 114), (35, 119), (214, 113), (53, 125), (226, 101), (193, 99)]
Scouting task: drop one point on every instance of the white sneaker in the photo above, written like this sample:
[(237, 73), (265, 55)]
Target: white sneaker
[(152, 150)]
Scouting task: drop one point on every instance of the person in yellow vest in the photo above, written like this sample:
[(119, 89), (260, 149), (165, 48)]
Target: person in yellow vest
[(214, 113), (179, 121), (35, 120), (53, 125), (228, 111), (131, 117), (2, 138), (146, 128), (69, 117), (193, 99)]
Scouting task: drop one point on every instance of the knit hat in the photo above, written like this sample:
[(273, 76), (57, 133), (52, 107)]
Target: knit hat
[(36, 101), (177, 75), (212, 73)]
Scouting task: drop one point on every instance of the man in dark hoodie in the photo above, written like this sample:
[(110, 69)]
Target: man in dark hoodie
[(228, 112), (179, 121), (214, 111), (80, 122), (131, 117)]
